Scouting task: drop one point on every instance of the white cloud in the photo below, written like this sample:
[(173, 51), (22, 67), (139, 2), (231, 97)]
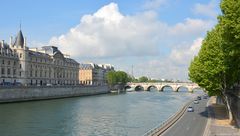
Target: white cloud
[(191, 27), (174, 67), (182, 55), (110, 34), (209, 9)]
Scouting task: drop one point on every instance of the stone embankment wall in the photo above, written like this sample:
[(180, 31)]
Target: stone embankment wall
[(39, 93)]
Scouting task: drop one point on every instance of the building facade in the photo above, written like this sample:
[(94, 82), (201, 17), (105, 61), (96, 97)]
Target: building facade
[(9, 64), (47, 65), (94, 74)]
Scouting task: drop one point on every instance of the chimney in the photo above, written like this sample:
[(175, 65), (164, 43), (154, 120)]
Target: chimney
[(10, 42), (2, 43)]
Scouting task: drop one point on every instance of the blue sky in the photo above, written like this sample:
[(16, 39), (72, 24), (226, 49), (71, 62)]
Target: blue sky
[(167, 26)]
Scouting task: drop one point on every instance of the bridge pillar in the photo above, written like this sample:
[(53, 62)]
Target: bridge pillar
[(145, 88), (175, 88)]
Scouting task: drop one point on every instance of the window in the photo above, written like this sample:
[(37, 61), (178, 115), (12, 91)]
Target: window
[(8, 71), (3, 71), (9, 62), (20, 55), (20, 65), (20, 74), (2, 61), (14, 71), (14, 63)]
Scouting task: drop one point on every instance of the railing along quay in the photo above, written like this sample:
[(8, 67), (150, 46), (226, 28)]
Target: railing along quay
[(160, 129)]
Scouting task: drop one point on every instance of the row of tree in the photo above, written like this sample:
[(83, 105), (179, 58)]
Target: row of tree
[(121, 78), (117, 78), (217, 65), (146, 79)]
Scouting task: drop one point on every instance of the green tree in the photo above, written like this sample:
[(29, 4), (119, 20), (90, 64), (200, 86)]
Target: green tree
[(117, 77), (122, 77), (217, 66), (208, 69), (111, 78), (230, 24), (143, 79)]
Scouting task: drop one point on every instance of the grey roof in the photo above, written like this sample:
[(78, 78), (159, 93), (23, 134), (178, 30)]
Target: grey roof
[(5, 45), (38, 54), (19, 39), (85, 66), (50, 49), (70, 60), (6, 48)]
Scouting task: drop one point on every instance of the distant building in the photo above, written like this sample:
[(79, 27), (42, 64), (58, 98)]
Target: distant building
[(94, 74), (19, 64)]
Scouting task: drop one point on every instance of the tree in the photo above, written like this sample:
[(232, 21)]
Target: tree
[(117, 77), (111, 78), (208, 69), (217, 66), (143, 79), (230, 23), (122, 77)]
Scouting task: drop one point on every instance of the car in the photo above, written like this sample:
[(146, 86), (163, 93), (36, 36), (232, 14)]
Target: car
[(196, 102), (190, 109), (205, 96), (199, 97), (48, 84)]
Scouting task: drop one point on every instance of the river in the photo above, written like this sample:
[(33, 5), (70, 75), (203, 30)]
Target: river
[(129, 114)]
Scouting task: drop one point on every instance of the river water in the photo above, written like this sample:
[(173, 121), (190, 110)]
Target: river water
[(129, 114)]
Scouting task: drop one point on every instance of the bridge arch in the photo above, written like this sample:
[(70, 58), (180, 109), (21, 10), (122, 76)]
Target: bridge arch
[(164, 86), (151, 86), (139, 88), (127, 87), (177, 90)]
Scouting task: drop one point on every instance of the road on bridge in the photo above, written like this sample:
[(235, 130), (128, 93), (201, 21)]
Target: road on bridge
[(191, 123)]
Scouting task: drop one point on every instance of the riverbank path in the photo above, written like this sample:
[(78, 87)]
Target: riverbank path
[(218, 122)]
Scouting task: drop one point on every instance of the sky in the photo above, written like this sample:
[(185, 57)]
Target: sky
[(157, 38)]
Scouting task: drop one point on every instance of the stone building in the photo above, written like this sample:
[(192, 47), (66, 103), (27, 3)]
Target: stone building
[(9, 65), (46, 65), (93, 74)]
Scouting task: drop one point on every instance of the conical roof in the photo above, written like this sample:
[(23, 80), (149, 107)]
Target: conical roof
[(19, 39)]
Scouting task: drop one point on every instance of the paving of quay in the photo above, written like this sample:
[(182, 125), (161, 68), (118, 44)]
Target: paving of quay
[(191, 123)]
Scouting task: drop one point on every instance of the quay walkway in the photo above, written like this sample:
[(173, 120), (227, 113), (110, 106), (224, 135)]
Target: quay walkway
[(218, 123)]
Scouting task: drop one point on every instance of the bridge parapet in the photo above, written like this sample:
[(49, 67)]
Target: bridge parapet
[(175, 86)]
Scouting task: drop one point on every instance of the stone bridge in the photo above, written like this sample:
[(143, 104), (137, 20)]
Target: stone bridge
[(160, 86)]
